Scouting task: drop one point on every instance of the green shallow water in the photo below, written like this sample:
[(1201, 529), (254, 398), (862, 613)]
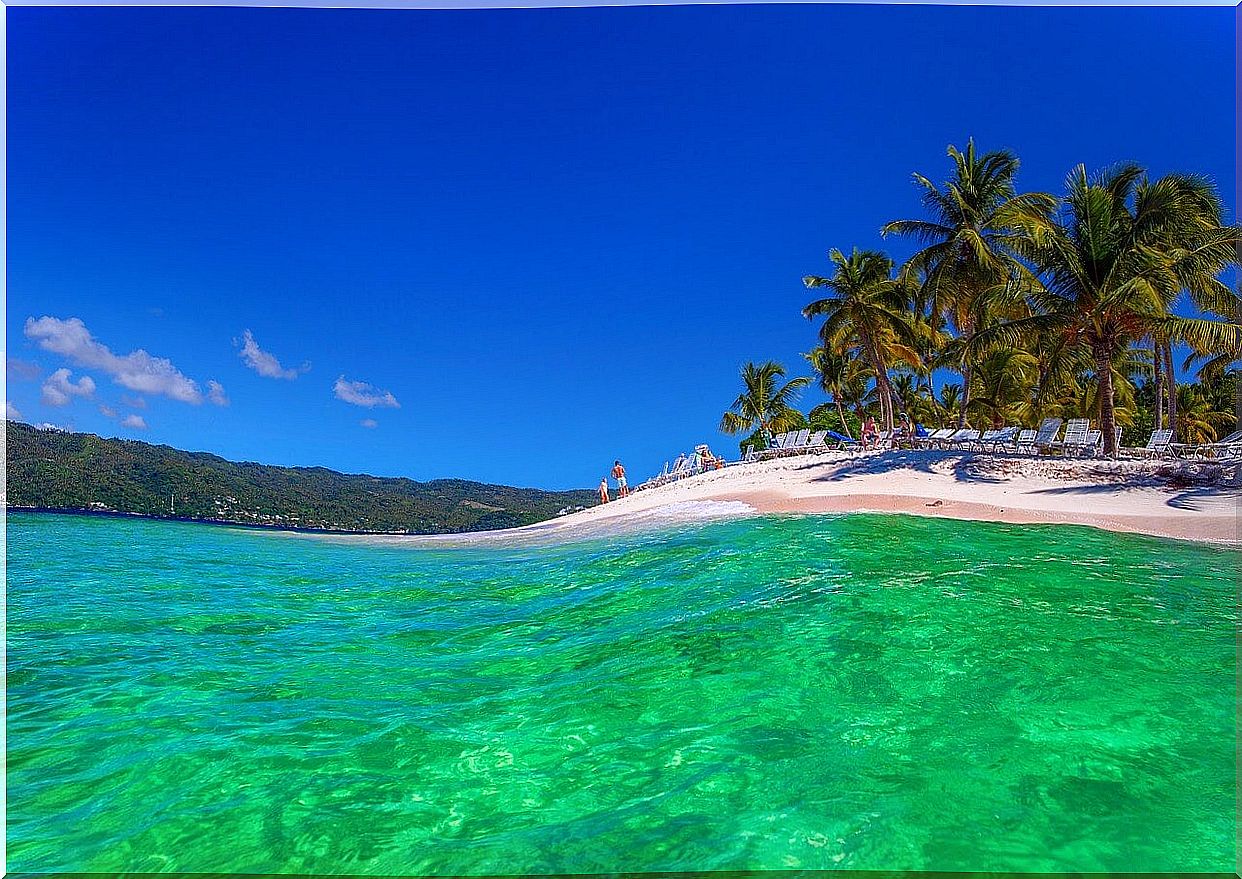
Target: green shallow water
[(860, 692)]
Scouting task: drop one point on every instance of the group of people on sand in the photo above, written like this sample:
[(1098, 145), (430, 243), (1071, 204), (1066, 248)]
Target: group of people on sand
[(703, 460), (871, 433), (623, 488)]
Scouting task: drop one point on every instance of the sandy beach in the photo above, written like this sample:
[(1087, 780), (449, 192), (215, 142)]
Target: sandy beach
[(1183, 500)]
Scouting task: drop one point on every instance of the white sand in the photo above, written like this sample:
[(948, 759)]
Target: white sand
[(1167, 499)]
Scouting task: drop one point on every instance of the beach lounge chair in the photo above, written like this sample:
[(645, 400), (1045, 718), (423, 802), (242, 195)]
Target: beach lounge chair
[(989, 436), (1157, 445), (658, 479), (1025, 441), (957, 437), (1046, 436), (800, 440), (1075, 439), (682, 467), (843, 442), (999, 439), (816, 442), (774, 448), (934, 438), (964, 439), (1226, 447), (1094, 444)]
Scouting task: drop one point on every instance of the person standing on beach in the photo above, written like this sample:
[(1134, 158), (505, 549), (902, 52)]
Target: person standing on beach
[(603, 490), (870, 433), (618, 473)]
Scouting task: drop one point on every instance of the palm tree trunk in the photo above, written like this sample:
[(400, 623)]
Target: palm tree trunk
[(961, 415), (968, 332), (886, 392), (1170, 388), (883, 389), (1158, 363), (1108, 415), (841, 414)]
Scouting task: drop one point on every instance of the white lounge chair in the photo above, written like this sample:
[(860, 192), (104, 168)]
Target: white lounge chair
[(747, 457), (1025, 441), (958, 437), (1227, 447), (1075, 439), (774, 447), (800, 440), (997, 440), (965, 439), (817, 442), (934, 438), (1156, 446), (1046, 436), (682, 467)]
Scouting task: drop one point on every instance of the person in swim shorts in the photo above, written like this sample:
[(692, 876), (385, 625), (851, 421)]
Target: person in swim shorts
[(618, 473)]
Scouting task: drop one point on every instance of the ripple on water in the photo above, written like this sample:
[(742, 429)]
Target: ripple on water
[(849, 692)]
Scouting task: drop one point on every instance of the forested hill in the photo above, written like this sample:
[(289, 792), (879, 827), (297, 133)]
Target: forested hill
[(55, 470)]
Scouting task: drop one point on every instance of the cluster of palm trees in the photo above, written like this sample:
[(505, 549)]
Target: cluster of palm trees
[(1043, 305)]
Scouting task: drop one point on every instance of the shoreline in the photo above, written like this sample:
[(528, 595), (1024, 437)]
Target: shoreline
[(1166, 499)]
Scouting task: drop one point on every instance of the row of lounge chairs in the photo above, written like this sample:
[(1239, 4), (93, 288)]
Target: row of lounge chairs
[(685, 465), (1225, 448), (800, 442), (1078, 440)]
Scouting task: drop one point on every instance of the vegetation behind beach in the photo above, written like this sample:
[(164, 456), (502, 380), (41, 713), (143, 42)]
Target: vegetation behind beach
[(1109, 301), (57, 470)]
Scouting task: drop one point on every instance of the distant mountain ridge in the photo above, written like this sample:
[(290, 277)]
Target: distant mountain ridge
[(58, 470)]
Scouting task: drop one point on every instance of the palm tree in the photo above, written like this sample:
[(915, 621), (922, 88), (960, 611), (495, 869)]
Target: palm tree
[(867, 311), (765, 404), (1197, 420), (950, 398), (1003, 379), (1112, 263), (968, 258), (840, 377)]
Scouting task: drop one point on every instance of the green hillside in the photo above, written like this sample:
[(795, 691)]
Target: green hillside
[(54, 470)]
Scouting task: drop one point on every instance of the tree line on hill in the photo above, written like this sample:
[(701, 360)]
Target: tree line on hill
[(1042, 305), (57, 470)]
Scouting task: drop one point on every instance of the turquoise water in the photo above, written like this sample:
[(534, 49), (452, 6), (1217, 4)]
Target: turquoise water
[(858, 692)]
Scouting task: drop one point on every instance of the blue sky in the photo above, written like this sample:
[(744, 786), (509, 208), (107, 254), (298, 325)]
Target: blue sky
[(550, 237)]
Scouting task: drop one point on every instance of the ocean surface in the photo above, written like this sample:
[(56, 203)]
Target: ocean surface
[(854, 692)]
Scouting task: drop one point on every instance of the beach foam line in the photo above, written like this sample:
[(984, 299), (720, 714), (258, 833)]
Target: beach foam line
[(694, 511)]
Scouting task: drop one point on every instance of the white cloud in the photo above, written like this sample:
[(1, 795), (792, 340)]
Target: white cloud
[(10, 412), (107, 411), (369, 423), (47, 425), (137, 371), (264, 363), (137, 422), (59, 391), (134, 402), (363, 394), (20, 370), (215, 393)]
